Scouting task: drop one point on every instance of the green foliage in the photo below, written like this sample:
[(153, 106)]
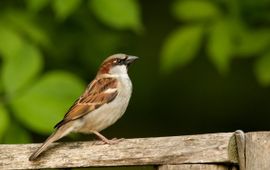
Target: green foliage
[(4, 120), (193, 10), (25, 25), (21, 69), (50, 97), (38, 36), (220, 45), (230, 34), (22, 135), (181, 47), (65, 8), (262, 69), (10, 42), (117, 14), (35, 6), (38, 100), (253, 42)]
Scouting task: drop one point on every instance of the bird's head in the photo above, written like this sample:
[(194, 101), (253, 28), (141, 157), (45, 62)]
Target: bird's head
[(116, 64)]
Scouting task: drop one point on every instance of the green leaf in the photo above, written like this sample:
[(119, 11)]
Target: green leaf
[(19, 70), (35, 6), (10, 43), (45, 104), (190, 10), (4, 120), (26, 25), (16, 135), (63, 9), (220, 46), (119, 14), (181, 47), (262, 69), (252, 43)]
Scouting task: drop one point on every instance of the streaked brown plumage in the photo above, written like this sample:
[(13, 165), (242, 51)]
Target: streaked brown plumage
[(102, 104), (93, 97)]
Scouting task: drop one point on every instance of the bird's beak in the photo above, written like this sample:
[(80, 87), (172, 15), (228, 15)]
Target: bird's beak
[(130, 59)]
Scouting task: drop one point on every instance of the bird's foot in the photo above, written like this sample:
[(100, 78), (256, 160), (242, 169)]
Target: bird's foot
[(107, 141), (115, 140), (104, 140)]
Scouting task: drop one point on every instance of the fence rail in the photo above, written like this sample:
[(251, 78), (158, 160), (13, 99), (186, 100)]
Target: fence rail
[(220, 151)]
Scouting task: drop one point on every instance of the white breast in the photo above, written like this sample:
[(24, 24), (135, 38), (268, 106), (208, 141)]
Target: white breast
[(108, 114)]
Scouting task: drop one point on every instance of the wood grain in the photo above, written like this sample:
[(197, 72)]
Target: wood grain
[(240, 140), (197, 167), (258, 151), (206, 148)]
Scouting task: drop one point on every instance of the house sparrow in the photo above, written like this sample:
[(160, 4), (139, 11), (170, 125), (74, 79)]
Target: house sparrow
[(103, 102)]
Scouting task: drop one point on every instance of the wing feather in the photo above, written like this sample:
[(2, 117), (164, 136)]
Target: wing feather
[(94, 96)]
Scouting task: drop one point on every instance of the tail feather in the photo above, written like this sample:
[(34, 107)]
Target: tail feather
[(59, 133), (44, 146)]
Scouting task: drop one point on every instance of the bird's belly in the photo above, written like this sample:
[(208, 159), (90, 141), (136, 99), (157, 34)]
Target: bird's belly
[(104, 116)]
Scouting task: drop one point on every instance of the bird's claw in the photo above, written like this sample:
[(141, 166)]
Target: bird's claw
[(110, 142)]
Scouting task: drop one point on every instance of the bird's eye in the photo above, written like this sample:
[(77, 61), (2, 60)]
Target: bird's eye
[(115, 61), (118, 61)]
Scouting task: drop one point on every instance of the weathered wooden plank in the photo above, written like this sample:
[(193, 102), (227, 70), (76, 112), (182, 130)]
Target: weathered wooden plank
[(197, 167), (206, 148), (241, 148), (258, 151)]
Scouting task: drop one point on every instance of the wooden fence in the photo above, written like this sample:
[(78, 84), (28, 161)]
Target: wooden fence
[(220, 151)]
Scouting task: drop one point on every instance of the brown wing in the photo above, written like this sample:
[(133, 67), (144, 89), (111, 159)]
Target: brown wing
[(94, 96)]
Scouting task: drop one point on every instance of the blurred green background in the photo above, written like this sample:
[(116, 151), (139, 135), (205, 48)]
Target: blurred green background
[(204, 64)]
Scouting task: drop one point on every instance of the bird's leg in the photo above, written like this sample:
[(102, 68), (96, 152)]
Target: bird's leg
[(104, 139)]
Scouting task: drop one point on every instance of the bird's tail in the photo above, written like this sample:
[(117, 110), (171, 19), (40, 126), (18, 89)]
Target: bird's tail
[(59, 133)]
